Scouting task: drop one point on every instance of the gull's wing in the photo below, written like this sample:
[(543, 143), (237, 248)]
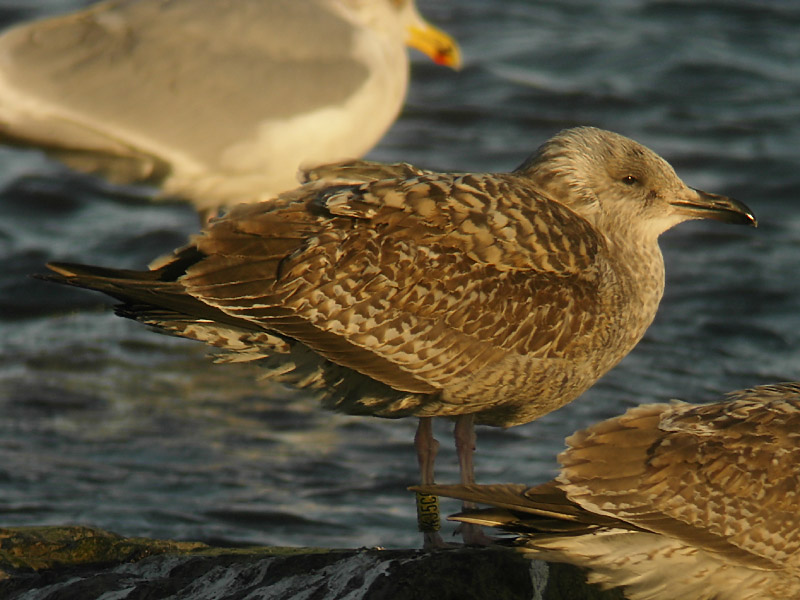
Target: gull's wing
[(142, 88), (416, 283), (723, 477)]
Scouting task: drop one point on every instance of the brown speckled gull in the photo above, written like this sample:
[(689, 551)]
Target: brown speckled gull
[(696, 502), (493, 298)]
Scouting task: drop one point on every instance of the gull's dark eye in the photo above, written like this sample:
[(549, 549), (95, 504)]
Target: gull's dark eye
[(630, 180)]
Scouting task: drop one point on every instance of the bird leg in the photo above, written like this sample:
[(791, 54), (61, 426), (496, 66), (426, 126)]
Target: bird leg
[(464, 434), (427, 504)]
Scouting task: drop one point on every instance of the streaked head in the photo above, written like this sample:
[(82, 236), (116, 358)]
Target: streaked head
[(607, 177)]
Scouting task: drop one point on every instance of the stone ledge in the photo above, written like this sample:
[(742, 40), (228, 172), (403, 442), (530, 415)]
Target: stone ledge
[(64, 563)]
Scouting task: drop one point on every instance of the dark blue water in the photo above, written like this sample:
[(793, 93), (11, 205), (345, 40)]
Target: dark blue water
[(105, 423)]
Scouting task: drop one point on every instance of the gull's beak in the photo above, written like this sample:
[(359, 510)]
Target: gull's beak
[(434, 42), (702, 205)]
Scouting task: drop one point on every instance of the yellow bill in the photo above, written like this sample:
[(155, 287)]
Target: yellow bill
[(434, 42)]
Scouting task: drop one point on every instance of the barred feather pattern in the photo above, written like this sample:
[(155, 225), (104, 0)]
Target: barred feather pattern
[(698, 502)]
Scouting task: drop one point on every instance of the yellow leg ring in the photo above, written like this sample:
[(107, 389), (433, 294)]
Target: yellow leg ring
[(427, 512)]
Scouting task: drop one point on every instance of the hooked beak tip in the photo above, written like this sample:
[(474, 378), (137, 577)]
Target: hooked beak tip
[(718, 208)]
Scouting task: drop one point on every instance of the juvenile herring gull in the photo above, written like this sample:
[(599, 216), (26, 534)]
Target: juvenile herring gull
[(696, 502), (490, 298), (215, 100)]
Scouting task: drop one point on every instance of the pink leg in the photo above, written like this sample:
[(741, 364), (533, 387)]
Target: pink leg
[(427, 448), (464, 434)]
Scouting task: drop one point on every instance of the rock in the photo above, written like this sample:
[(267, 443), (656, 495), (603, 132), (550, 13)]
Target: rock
[(65, 563)]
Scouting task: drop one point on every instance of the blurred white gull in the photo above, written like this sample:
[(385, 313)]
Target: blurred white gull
[(217, 102)]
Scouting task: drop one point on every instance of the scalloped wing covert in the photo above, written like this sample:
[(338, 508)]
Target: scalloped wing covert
[(415, 283), (722, 477)]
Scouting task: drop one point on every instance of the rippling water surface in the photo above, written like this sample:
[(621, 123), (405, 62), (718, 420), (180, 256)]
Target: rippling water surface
[(106, 423)]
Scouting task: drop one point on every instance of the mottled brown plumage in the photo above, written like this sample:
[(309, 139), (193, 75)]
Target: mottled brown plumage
[(670, 500), (399, 292)]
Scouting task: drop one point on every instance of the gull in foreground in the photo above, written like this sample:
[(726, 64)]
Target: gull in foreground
[(697, 502), (489, 298), (216, 101)]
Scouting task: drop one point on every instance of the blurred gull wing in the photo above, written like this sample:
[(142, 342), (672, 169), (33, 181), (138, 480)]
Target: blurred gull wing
[(724, 475), (669, 500)]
